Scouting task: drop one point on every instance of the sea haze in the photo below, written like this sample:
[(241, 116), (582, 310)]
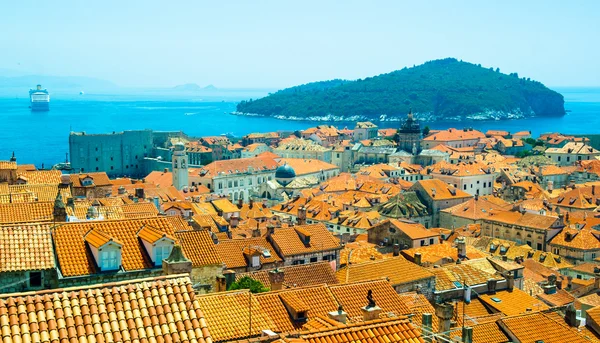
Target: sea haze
[(42, 137)]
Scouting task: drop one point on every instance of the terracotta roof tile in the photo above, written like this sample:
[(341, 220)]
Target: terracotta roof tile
[(397, 270), (26, 247), (75, 259), (289, 241), (150, 310), (298, 276), (198, 247), (539, 327), (231, 252), (512, 303), (26, 212)]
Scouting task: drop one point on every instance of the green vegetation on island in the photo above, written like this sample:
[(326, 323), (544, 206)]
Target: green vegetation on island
[(445, 89)]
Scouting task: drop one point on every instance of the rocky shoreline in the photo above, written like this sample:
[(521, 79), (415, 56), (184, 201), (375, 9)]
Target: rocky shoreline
[(425, 117)]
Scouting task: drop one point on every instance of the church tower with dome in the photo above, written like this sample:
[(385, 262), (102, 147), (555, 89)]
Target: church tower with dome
[(409, 135), (180, 166)]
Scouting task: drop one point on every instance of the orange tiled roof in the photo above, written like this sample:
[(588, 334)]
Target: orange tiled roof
[(526, 219), (32, 193), (160, 178), (397, 270), (164, 309), (454, 135), (99, 178), (231, 252), (414, 231), (239, 165), (447, 276), (539, 327), (585, 198), (298, 276), (152, 235), (40, 176), (461, 169), (353, 297), (198, 247), (581, 239), (26, 247), (512, 303), (397, 329), (439, 190), (97, 238), (75, 259), (225, 205), (436, 253), (26, 212), (289, 242), (473, 208)]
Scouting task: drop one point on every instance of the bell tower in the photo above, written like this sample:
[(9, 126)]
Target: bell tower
[(180, 166)]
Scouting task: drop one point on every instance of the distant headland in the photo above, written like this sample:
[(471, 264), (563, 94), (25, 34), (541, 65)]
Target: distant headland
[(447, 89)]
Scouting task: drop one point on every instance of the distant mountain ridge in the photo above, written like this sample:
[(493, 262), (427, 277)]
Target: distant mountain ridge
[(194, 87), (445, 89)]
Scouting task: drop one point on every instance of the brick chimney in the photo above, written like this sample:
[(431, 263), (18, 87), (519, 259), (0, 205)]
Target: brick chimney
[(396, 249), (276, 278), (176, 263), (234, 221), (444, 312)]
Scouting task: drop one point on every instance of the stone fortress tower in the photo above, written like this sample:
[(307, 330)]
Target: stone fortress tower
[(180, 166)]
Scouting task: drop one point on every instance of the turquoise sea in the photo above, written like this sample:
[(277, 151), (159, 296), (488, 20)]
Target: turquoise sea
[(42, 137)]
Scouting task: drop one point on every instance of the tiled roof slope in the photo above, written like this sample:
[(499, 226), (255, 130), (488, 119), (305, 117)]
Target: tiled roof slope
[(26, 247), (461, 273), (539, 327), (100, 179), (40, 176), (231, 252), (353, 297), (198, 247), (26, 212), (386, 330), (397, 270), (513, 303), (298, 276), (154, 310), (289, 242), (31, 193), (75, 259)]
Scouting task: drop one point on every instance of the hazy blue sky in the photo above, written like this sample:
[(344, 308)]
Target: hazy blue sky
[(283, 43)]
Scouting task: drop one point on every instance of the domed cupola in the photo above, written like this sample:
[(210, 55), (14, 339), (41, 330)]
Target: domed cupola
[(285, 174)]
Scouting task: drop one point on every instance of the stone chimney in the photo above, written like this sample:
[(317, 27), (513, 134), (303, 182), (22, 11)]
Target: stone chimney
[(596, 280), (270, 230), (240, 203), (569, 282), (60, 209), (176, 263), (571, 316), (256, 232), (340, 315), (510, 282), (427, 324), (301, 216), (276, 278), (251, 203), (491, 286), (461, 247), (550, 186), (221, 283), (396, 249), (444, 312), (417, 258), (139, 193)]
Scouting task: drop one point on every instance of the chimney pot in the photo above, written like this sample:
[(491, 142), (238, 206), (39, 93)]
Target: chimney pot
[(396, 249), (417, 258)]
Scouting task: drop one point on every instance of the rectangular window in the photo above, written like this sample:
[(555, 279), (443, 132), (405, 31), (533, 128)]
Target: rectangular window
[(314, 259), (465, 187), (109, 260), (431, 241), (422, 242), (539, 246), (161, 252)]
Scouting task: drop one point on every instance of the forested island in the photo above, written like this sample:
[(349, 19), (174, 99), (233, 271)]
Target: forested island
[(445, 89)]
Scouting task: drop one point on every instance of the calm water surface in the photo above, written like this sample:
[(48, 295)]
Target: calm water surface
[(42, 137)]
